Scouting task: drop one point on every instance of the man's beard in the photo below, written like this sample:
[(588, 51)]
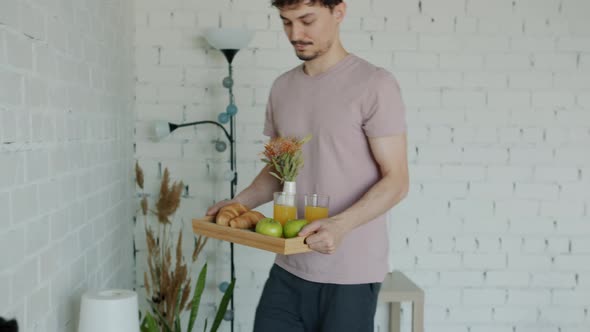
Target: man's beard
[(313, 56), (308, 57)]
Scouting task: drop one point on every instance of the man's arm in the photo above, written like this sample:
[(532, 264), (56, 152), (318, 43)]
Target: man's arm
[(391, 156), (257, 193)]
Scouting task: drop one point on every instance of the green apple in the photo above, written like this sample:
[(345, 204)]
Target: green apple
[(293, 227), (269, 226)]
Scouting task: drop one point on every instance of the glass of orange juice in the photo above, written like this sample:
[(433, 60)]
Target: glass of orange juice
[(285, 207), (316, 206)]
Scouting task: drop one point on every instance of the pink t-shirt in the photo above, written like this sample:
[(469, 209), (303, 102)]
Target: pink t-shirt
[(341, 108)]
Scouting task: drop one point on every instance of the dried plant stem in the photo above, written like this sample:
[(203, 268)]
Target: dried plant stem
[(167, 281)]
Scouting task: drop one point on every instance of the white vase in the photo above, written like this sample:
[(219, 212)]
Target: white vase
[(289, 187), (289, 190)]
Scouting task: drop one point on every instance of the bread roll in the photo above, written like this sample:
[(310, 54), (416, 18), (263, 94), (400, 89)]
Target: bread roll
[(229, 212), (247, 220)]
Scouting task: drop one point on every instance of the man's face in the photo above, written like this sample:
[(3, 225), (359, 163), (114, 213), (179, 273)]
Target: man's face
[(312, 29)]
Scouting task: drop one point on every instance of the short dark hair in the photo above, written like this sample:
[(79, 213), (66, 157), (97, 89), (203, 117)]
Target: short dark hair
[(288, 3)]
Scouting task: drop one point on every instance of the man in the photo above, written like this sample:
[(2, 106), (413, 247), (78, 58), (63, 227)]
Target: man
[(357, 156)]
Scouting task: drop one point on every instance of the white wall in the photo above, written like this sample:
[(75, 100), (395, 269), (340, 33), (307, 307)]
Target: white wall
[(66, 155), (496, 225)]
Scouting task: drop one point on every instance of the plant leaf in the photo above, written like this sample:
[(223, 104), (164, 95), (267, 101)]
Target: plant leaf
[(162, 320), (177, 324), (277, 167), (177, 305), (176, 311), (149, 324), (199, 287), (276, 175), (144, 326), (205, 328), (305, 139), (223, 306)]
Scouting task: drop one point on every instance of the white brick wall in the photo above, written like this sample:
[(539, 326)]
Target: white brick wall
[(498, 104), (66, 154)]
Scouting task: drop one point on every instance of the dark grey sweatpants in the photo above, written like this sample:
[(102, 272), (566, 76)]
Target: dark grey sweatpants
[(291, 304)]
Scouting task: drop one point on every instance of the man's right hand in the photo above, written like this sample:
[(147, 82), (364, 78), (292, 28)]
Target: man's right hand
[(212, 210), (256, 194)]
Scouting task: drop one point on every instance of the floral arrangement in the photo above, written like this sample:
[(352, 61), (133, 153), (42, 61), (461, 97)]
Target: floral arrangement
[(285, 156), (168, 279)]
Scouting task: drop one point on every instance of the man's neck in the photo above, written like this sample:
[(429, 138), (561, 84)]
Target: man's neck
[(325, 62)]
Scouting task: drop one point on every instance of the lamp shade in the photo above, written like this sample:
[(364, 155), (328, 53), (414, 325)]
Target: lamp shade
[(109, 310), (228, 38), (161, 129)]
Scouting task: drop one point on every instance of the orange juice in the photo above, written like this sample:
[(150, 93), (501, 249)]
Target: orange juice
[(315, 212), (284, 213)]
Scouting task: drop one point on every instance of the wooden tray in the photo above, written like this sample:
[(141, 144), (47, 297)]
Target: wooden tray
[(207, 227)]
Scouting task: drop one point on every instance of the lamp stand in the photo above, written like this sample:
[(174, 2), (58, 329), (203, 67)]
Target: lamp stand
[(224, 118), (234, 181)]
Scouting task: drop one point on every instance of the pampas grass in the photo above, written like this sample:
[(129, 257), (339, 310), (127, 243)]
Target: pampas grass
[(138, 175), (167, 281)]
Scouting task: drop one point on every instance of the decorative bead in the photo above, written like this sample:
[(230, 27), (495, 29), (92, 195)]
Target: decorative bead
[(223, 118), (223, 286), (229, 315), (231, 109), (228, 82), (228, 175), (220, 146)]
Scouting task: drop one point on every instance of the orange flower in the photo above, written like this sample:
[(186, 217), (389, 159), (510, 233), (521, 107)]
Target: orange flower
[(284, 154), (281, 145)]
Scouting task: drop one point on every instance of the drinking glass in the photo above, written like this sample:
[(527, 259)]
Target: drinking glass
[(316, 206), (285, 207)]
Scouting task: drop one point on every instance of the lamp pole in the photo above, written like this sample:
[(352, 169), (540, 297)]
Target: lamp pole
[(229, 41), (225, 117), (234, 181)]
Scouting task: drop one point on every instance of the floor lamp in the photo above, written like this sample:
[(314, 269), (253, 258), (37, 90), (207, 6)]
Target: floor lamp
[(229, 42)]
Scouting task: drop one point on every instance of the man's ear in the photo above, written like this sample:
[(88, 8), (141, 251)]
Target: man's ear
[(339, 11)]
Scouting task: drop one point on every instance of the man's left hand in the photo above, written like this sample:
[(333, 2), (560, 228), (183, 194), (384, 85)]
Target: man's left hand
[(325, 235)]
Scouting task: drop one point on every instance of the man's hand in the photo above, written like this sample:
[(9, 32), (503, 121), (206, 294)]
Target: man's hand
[(212, 210), (325, 235), (257, 193)]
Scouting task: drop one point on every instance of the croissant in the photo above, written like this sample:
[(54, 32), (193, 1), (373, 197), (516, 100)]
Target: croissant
[(247, 220), (229, 212)]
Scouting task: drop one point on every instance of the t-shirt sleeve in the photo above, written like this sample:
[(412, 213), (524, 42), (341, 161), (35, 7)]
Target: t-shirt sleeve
[(269, 127), (384, 113)]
